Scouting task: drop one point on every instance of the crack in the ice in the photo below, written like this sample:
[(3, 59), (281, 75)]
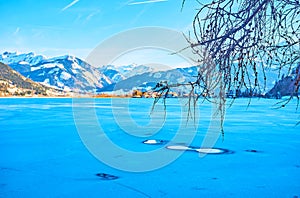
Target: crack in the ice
[(133, 189)]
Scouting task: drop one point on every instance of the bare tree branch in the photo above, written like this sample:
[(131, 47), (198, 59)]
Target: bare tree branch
[(237, 40)]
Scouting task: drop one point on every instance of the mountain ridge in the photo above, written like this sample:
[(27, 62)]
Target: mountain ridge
[(69, 73), (13, 83)]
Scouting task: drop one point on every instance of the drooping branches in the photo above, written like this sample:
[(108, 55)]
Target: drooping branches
[(238, 40), (244, 37)]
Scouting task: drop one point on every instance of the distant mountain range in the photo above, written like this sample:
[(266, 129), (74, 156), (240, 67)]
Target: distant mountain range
[(13, 83), (69, 73), (286, 85), (117, 74), (148, 80)]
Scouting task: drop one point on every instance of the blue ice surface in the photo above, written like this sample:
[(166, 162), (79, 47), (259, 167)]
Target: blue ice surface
[(42, 154)]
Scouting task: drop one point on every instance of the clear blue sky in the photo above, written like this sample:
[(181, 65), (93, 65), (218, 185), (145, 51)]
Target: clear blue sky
[(77, 26)]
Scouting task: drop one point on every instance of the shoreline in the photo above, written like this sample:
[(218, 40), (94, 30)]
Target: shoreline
[(123, 97)]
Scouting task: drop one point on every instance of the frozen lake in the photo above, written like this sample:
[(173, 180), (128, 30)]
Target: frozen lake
[(42, 154)]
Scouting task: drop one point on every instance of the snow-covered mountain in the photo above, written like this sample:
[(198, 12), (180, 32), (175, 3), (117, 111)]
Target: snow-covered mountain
[(64, 72), (116, 74), (73, 74), (13, 83), (286, 86), (148, 80)]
